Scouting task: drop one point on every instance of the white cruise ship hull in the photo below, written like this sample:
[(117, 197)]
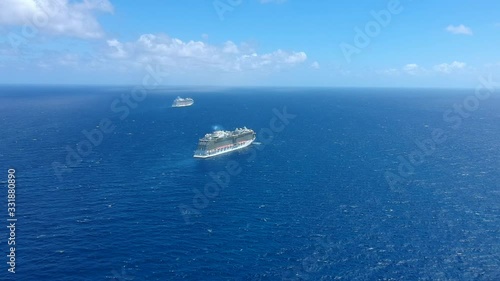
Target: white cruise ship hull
[(182, 105), (208, 154)]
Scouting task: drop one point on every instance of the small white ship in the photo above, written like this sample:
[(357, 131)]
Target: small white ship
[(180, 102), (220, 142)]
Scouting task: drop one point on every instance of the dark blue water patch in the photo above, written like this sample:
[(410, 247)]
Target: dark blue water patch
[(310, 203)]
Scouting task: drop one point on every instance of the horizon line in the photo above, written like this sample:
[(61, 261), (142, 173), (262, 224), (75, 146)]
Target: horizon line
[(237, 86)]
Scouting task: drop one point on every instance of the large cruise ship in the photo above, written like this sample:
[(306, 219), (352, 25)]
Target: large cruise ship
[(180, 102), (220, 142)]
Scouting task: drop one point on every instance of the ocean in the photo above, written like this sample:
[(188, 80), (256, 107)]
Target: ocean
[(344, 184)]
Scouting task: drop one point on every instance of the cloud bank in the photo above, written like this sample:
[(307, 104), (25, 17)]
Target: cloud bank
[(459, 29), (186, 55), (56, 17)]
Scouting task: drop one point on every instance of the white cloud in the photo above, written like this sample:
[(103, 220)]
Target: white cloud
[(389, 72), (315, 65), (459, 29), (57, 17), (120, 52), (415, 69), (450, 67), (412, 69), (177, 54), (230, 48), (291, 58)]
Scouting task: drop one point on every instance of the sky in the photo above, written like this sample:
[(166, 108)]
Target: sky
[(324, 43)]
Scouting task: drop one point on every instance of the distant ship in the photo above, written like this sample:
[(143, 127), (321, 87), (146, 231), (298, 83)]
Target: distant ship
[(220, 142), (180, 102)]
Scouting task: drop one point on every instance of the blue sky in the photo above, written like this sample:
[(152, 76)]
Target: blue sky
[(251, 42)]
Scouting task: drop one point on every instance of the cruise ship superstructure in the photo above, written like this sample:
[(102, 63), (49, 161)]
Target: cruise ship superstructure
[(220, 142), (180, 102)]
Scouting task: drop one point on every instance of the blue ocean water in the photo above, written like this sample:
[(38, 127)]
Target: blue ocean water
[(339, 188)]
